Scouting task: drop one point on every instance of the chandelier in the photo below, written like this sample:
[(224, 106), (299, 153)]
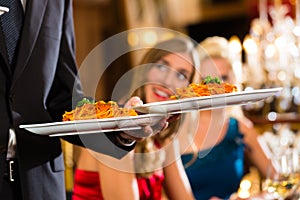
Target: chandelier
[(272, 59)]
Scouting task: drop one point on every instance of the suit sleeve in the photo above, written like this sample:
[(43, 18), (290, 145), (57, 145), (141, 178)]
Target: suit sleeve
[(104, 143), (66, 91)]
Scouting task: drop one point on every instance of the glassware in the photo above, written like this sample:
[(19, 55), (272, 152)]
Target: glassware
[(285, 183)]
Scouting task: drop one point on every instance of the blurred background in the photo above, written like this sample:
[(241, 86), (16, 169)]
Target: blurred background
[(97, 20), (265, 35)]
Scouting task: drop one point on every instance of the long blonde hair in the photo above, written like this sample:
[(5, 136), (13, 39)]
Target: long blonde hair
[(177, 45), (210, 48)]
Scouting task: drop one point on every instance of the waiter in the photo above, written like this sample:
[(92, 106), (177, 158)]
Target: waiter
[(38, 83)]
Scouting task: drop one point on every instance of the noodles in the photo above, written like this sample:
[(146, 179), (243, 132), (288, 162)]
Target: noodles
[(98, 110), (203, 89)]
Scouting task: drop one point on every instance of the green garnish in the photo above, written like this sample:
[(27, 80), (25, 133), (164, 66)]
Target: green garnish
[(210, 79), (84, 101)]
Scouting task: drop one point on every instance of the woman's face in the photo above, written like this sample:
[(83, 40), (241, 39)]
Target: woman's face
[(171, 72), (217, 67)]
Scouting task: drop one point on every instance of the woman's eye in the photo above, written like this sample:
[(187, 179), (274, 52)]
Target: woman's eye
[(224, 77), (181, 76), (161, 67)]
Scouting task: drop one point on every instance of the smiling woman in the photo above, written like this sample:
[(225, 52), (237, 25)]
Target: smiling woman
[(154, 163), (171, 71), (222, 141), (168, 65)]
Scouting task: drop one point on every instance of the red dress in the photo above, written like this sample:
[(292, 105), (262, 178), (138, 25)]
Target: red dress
[(87, 186)]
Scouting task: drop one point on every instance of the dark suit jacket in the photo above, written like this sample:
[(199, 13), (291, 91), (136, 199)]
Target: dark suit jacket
[(40, 90)]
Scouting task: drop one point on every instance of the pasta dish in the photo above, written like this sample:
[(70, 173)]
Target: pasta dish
[(97, 110), (210, 86)]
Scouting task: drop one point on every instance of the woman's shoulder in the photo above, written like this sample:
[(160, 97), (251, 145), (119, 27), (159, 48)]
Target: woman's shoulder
[(247, 128), (245, 122)]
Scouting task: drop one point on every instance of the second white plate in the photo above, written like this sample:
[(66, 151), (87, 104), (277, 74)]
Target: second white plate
[(207, 102)]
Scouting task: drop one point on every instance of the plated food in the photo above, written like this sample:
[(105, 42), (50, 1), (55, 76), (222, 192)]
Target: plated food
[(209, 86), (78, 127), (90, 117), (89, 109), (211, 93), (98, 117)]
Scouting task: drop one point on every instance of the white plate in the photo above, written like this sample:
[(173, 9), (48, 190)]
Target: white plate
[(93, 125), (207, 102), (92, 131), (3, 10)]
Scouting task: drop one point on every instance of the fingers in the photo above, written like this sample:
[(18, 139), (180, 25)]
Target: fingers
[(133, 101), (155, 129), (147, 131), (160, 126)]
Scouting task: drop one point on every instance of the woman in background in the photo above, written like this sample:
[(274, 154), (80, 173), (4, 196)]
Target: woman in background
[(214, 162), (155, 165)]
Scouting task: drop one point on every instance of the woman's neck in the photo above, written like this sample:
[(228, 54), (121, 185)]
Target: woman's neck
[(217, 115), (212, 128)]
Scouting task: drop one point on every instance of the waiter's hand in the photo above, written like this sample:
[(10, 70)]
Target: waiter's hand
[(130, 137)]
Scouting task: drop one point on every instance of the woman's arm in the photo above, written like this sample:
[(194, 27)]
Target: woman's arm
[(176, 182), (117, 179), (255, 152)]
